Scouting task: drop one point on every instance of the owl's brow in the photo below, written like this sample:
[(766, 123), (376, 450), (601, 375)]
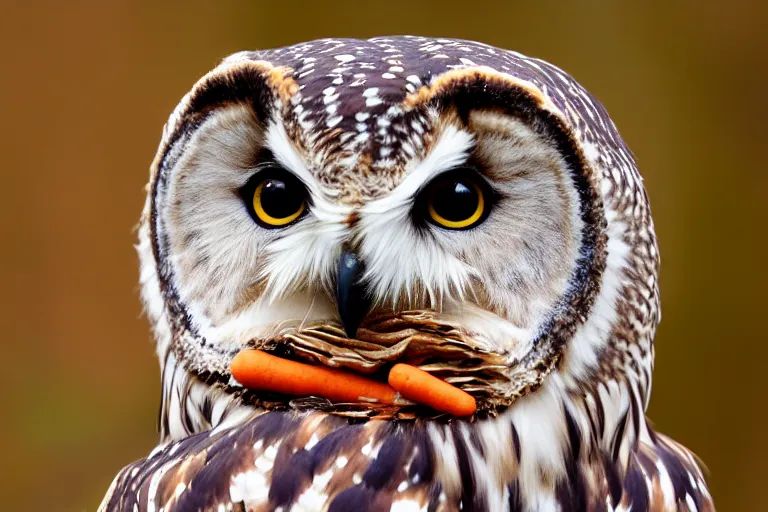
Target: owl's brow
[(283, 152), (452, 149)]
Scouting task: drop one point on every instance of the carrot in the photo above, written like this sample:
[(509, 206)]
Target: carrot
[(255, 369), (419, 386), (258, 370)]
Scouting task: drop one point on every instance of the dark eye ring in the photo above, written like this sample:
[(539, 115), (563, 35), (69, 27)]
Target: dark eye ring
[(275, 198), (457, 199)]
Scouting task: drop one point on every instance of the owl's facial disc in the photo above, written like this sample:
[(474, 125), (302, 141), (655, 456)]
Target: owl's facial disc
[(454, 250)]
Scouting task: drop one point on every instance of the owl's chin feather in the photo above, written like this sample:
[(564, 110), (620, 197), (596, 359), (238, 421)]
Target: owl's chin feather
[(441, 345)]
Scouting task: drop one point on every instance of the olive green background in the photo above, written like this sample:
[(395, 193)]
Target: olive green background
[(85, 88)]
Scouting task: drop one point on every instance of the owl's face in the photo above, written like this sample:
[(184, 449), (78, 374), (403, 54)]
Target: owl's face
[(311, 204), (480, 224)]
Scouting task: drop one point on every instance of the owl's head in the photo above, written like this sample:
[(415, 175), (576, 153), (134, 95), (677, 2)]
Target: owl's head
[(359, 203)]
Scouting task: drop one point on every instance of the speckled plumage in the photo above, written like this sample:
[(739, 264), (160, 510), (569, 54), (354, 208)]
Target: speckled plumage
[(563, 429)]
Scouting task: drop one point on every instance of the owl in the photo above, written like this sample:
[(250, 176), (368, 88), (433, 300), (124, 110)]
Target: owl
[(355, 204)]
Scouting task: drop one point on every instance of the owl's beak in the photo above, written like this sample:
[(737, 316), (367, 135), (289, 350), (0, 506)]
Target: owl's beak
[(352, 299)]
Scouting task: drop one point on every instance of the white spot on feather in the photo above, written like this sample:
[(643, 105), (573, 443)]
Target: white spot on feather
[(312, 442), (406, 506)]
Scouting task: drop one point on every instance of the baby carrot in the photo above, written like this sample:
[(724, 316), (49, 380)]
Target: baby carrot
[(421, 387), (258, 370)]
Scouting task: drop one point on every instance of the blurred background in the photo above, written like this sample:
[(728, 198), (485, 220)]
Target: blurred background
[(87, 86)]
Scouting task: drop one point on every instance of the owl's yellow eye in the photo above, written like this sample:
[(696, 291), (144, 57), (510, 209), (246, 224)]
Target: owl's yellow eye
[(456, 201), (277, 199)]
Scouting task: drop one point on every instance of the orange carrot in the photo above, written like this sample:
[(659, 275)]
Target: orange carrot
[(258, 370), (421, 387), (255, 369)]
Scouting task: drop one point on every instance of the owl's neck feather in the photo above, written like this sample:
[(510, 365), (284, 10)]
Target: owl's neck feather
[(552, 450), (540, 434)]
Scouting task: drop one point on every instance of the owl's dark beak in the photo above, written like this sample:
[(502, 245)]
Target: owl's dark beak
[(351, 296)]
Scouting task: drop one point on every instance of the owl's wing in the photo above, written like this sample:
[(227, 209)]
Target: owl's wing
[(665, 475), (656, 475), (282, 460)]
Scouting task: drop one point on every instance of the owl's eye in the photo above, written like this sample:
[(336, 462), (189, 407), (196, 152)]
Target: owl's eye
[(275, 198), (456, 200)]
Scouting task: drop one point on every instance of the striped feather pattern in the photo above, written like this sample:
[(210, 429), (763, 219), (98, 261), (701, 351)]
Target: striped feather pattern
[(312, 461)]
